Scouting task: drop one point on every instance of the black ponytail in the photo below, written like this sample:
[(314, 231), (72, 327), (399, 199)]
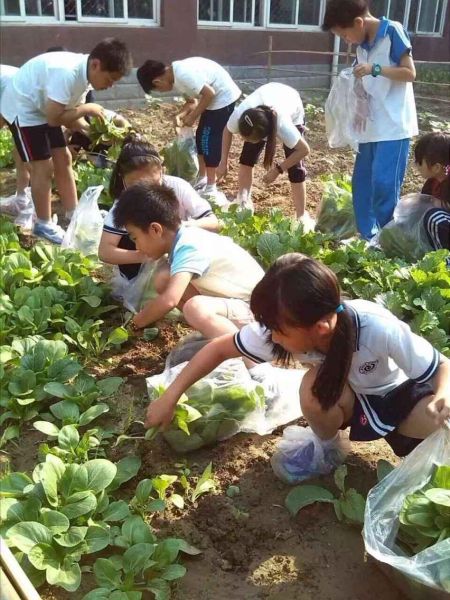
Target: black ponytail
[(299, 291), (260, 123)]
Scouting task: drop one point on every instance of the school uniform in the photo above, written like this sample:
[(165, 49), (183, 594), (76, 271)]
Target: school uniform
[(7, 72), (58, 76), (385, 137), (290, 124), (436, 221), (191, 206), (190, 76), (390, 371)]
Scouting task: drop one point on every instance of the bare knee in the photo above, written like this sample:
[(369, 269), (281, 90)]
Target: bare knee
[(42, 169), (193, 309), (62, 158)]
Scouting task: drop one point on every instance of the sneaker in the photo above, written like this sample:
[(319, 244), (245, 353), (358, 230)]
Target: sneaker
[(199, 184), (309, 224), (49, 231)]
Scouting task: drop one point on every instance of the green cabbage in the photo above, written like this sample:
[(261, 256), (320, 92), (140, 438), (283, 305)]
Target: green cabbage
[(336, 215)]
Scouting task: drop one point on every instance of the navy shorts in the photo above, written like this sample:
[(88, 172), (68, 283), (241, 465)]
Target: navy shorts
[(375, 417), (251, 152), (36, 142), (209, 134), (437, 225)]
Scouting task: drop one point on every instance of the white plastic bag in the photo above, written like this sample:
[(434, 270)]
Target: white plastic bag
[(180, 155), (86, 225), (420, 576), (300, 454), (347, 110), (20, 207), (133, 293)]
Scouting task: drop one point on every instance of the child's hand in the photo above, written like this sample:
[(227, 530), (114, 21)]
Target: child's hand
[(160, 413), (271, 175), (221, 171), (92, 109), (361, 70), (439, 409), (189, 119)]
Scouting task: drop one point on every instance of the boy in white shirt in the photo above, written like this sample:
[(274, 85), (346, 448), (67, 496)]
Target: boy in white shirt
[(46, 94), (211, 278), (386, 67), (205, 79)]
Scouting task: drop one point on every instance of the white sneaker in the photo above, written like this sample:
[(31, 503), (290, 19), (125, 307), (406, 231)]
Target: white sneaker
[(309, 224), (199, 184), (49, 231)]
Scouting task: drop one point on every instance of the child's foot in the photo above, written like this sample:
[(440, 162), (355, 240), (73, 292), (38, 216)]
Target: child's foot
[(49, 231), (200, 184)]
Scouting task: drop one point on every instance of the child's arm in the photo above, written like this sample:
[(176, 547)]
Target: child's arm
[(301, 149), (57, 114), (109, 251), (210, 223), (226, 145), (160, 411), (406, 71), (165, 302), (439, 408), (206, 97)]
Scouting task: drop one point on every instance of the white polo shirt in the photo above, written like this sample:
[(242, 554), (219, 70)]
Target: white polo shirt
[(6, 74), (220, 267), (284, 100), (386, 354), (192, 74), (392, 106), (58, 76), (191, 204)]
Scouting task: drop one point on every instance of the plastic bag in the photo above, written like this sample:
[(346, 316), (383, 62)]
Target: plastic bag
[(180, 155), (135, 292), (347, 110), (336, 214), (86, 225), (19, 207), (425, 575), (301, 454), (405, 236)]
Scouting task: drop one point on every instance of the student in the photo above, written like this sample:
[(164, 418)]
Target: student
[(211, 278), (371, 372), (386, 67), (139, 161), (272, 111), (19, 201), (201, 78), (47, 93), (432, 157)]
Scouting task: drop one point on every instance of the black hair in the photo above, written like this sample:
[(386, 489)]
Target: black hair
[(113, 55), (342, 13), (434, 148), (136, 152), (299, 291), (145, 203), (261, 123), (149, 71), (56, 49)]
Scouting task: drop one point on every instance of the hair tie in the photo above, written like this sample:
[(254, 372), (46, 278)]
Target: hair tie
[(248, 120), (340, 308)]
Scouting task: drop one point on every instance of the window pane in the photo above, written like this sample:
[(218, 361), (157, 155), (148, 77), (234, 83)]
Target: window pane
[(259, 13), (242, 11), (413, 15), (283, 11), (397, 10), (140, 9), (427, 16), (39, 8), (439, 16), (214, 10), (12, 8), (70, 10), (309, 12), (379, 8), (112, 9)]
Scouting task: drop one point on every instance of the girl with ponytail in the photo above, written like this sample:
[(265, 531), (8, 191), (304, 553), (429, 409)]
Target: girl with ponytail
[(273, 111), (368, 370)]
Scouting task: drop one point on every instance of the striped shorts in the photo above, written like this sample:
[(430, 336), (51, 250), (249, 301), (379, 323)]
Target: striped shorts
[(36, 142), (437, 226)]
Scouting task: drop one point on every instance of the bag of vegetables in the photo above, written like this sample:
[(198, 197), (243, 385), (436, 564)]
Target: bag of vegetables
[(407, 520), (336, 215), (217, 407), (180, 156), (86, 225)]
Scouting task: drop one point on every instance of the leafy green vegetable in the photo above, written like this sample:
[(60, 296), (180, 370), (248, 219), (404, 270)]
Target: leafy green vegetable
[(6, 149), (336, 215), (180, 158)]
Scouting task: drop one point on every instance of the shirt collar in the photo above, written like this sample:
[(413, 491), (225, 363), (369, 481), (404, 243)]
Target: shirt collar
[(175, 242), (356, 322), (83, 70), (381, 33)]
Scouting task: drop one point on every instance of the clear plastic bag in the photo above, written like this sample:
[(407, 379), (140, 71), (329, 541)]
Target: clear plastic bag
[(425, 576), (347, 110), (301, 454), (21, 208), (180, 155), (405, 236), (86, 225), (336, 213), (135, 292)]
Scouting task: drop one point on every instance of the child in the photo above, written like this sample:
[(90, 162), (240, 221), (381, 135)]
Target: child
[(386, 67), (372, 373), (139, 161), (47, 93), (272, 111), (217, 93), (211, 277), (432, 156)]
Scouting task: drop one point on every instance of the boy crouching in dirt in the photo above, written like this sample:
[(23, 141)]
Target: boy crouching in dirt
[(209, 277)]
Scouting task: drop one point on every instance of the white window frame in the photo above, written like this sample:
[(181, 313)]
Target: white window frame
[(295, 26), (230, 23), (58, 18), (438, 33)]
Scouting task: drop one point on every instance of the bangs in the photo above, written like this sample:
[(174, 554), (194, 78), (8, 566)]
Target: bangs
[(270, 310)]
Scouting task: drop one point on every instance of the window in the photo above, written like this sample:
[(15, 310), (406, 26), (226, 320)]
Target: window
[(417, 16), (116, 11), (296, 12), (230, 12)]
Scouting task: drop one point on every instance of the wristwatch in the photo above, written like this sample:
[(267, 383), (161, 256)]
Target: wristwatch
[(279, 168), (132, 325), (376, 70)]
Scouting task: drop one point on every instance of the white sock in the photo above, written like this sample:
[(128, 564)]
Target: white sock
[(44, 221), (69, 214), (211, 187)]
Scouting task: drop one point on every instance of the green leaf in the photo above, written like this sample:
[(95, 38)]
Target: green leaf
[(92, 413), (71, 538), (127, 468), (42, 556), (48, 474), (74, 479), (116, 511), (173, 572), (79, 504), (109, 386), (441, 477), (66, 411), (13, 485), (68, 576), (188, 548), (56, 521), (57, 389), (10, 433), (157, 505), (68, 438), (96, 539), (303, 495), (160, 589), (166, 552), (150, 333), (177, 500), (438, 496), (136, 558), (384, 467), (101, 473), (339, 477), (98, 594), (25, 536), (352, 506), (48, 428), (143, 490), (135, 530), (106, 575), (118, 336)]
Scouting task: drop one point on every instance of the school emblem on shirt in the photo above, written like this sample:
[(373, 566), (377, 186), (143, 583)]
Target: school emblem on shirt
[(368, 367), (363, 420)]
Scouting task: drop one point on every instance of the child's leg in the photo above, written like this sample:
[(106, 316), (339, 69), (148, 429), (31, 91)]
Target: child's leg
[(298, 191), (41, 187), (362, 191), (248, 159), (388, 172), (64, 178), (419, 423), (22, 174), (209, 139), (297, 177)]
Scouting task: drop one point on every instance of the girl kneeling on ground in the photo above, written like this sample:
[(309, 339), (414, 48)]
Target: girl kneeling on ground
[(272, 111), (370, 373), (139, 161)]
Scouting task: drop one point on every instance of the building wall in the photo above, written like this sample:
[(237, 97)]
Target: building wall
[(178, 37)]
